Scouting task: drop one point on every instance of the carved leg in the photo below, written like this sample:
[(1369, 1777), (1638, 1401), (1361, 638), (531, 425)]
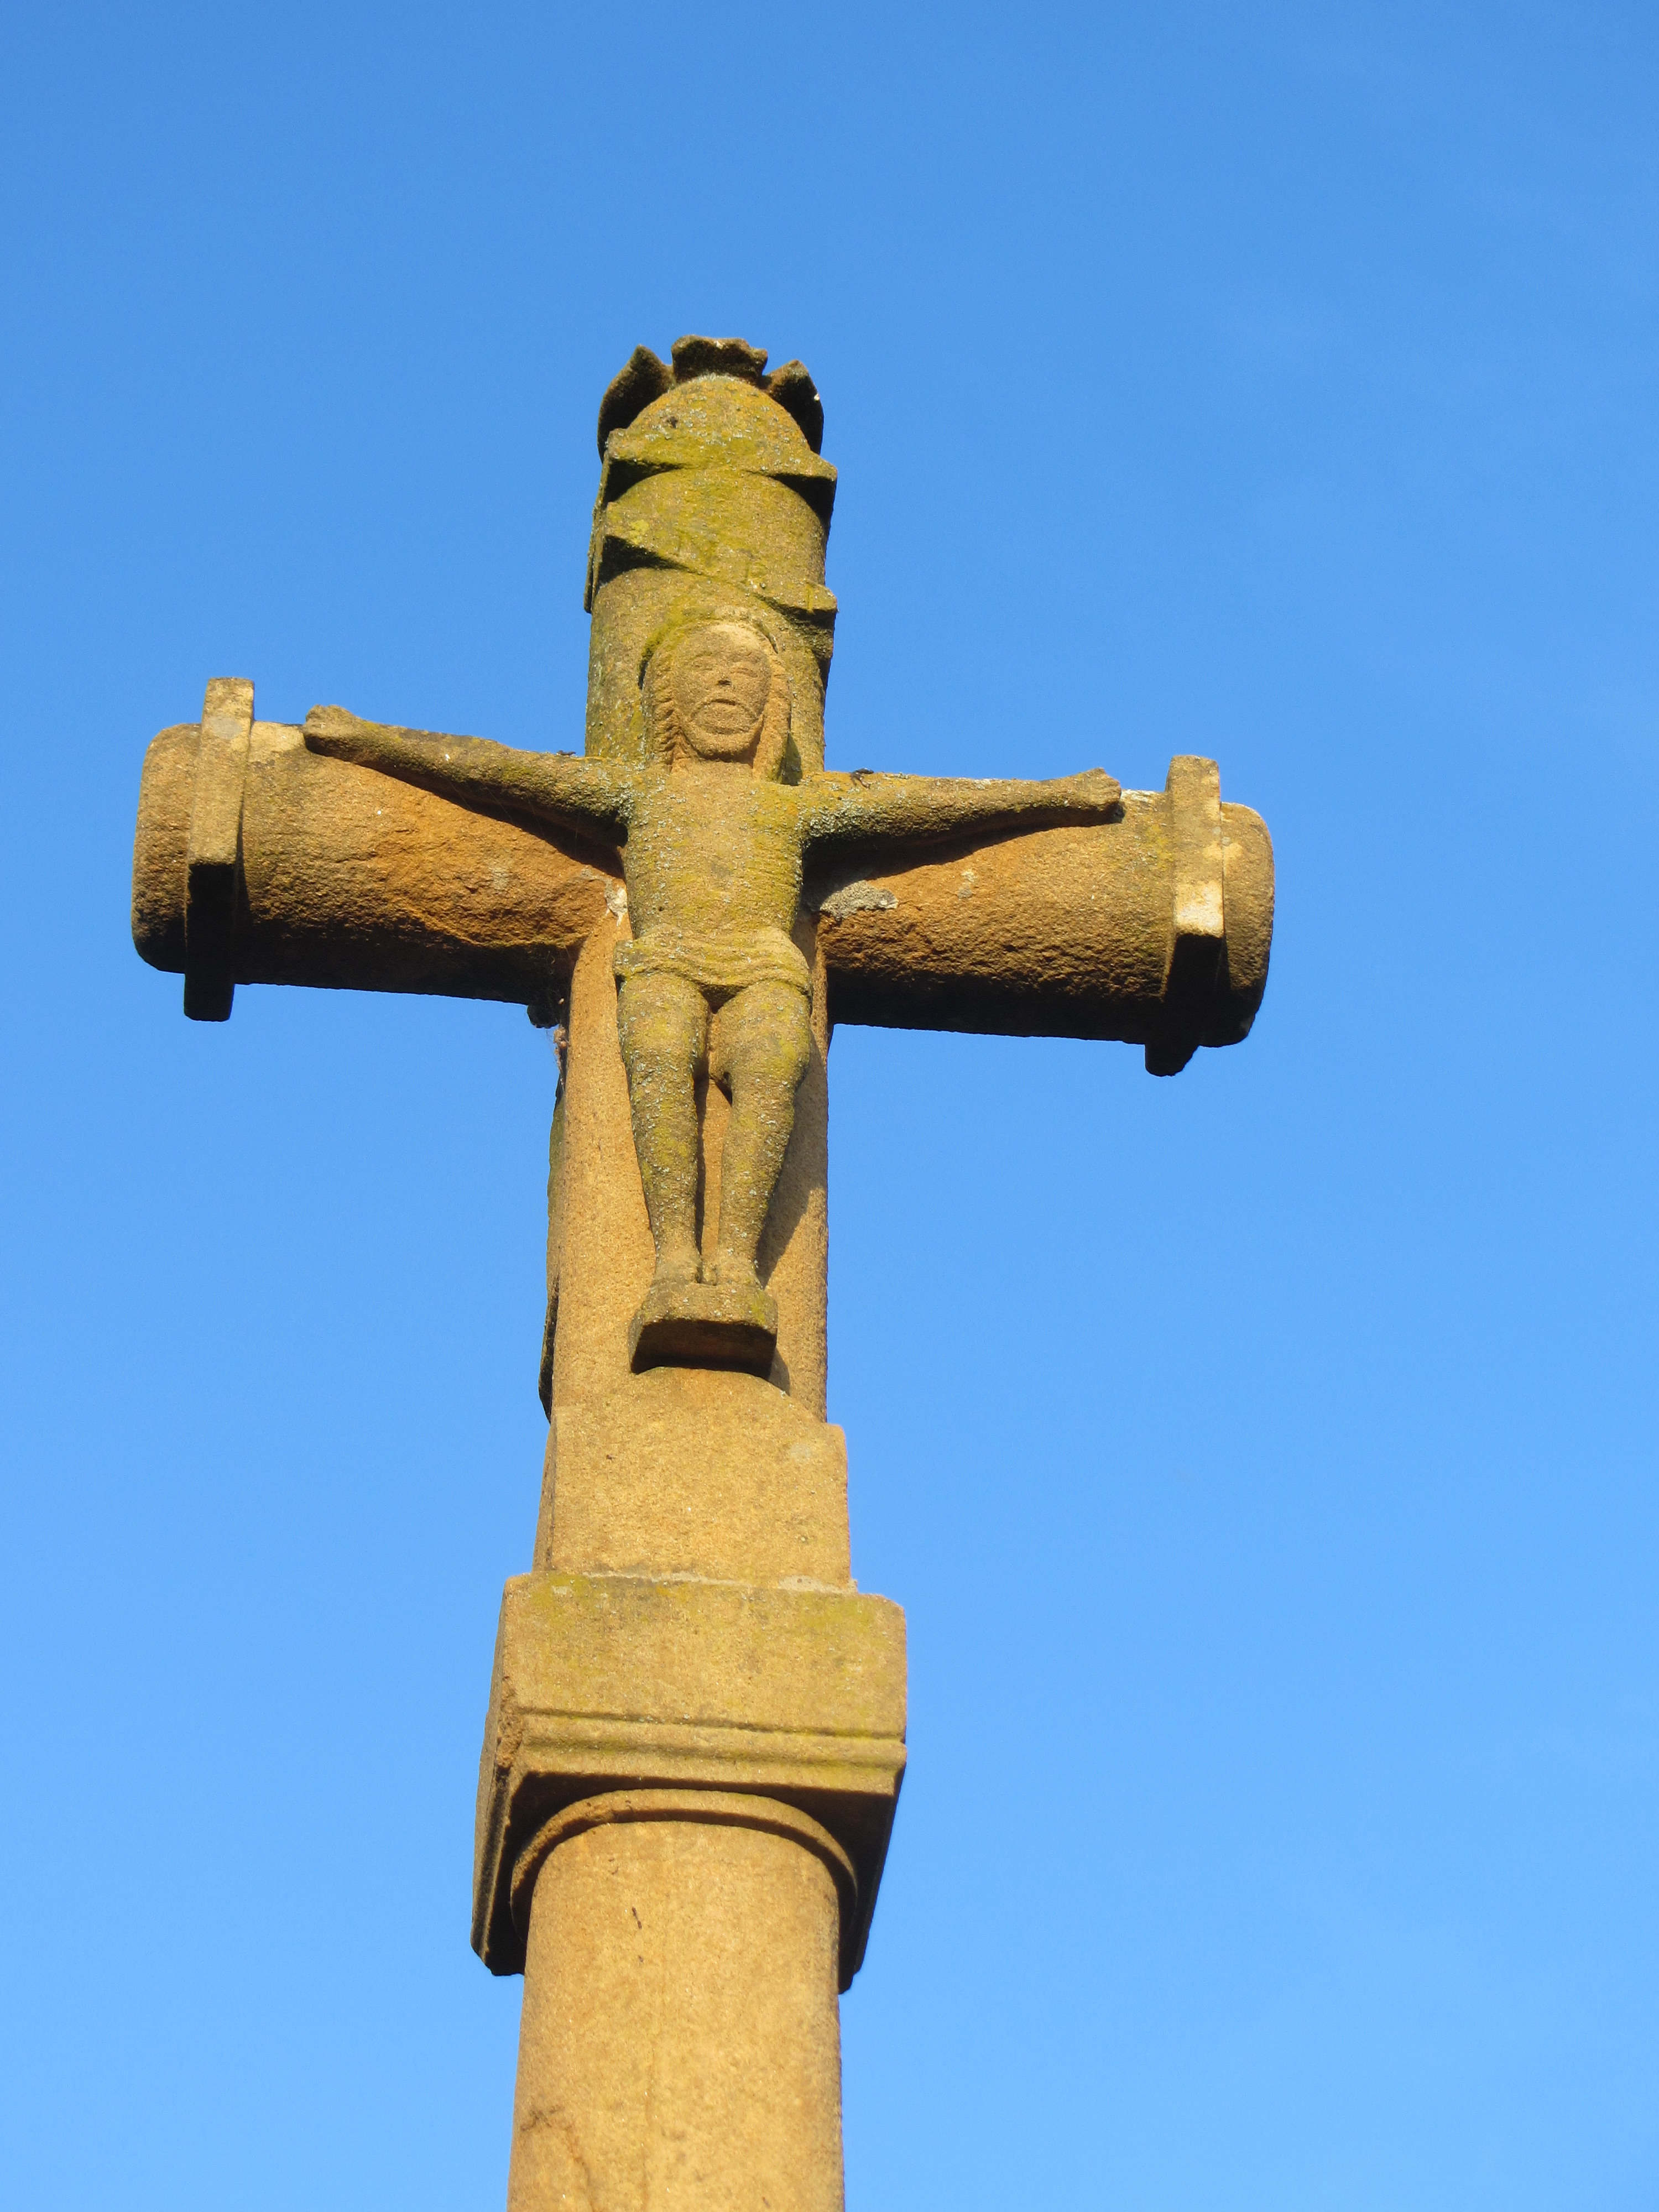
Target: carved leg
[(662, 1021), (759, 1046)]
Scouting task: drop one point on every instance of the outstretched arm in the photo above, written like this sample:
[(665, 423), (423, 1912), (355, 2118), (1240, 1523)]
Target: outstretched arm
[(557, 787), (864, 806)]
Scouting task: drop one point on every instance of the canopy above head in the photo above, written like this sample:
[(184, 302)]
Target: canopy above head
[(713, 502)]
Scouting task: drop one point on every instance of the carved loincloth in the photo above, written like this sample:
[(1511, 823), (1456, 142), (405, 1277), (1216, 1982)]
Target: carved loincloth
[(722, 964)]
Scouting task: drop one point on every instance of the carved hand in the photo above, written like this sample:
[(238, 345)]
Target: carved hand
[(1093, 792)]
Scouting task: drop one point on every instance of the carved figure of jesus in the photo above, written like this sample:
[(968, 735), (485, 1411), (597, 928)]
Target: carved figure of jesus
[(713, 849)]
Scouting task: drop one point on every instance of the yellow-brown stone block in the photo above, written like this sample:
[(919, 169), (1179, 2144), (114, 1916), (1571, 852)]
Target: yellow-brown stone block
[(612, 1682), (694, 1471)]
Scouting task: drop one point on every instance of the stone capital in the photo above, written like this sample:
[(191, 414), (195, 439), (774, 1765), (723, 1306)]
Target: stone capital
[(608, 1683)]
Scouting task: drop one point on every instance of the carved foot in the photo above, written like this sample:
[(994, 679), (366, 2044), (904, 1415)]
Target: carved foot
[(731, 1272), (688, 1324), (674, 1271)]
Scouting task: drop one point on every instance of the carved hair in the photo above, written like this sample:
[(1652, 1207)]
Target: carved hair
[(664, 733)]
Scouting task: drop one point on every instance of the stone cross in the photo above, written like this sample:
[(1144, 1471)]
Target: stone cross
[(695, 1731)]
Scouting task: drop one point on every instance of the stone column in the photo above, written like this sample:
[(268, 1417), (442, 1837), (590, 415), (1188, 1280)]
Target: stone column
[(680, 2044), (695, 1731)]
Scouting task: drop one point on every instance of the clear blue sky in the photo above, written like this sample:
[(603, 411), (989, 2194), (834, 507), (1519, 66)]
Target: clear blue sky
[(1266, 1458)]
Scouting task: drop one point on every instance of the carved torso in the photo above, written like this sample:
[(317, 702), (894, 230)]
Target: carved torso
[(713, 854)]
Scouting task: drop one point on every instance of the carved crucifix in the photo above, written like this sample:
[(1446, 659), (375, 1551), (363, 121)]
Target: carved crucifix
[(714, 851), (696, 1732)]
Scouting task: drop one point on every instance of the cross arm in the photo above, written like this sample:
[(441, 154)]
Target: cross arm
[(258, 861), (1152, 927)]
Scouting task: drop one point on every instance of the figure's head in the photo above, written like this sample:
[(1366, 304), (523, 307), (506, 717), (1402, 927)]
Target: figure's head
[(716, 692)]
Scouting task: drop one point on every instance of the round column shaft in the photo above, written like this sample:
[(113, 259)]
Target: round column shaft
[(680, 2044)]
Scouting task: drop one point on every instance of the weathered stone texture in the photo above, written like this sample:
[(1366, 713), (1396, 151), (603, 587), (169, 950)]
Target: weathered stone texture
[(695, 1471), (613, 1681), (357, 881), (679, 2049), (696, 1733)]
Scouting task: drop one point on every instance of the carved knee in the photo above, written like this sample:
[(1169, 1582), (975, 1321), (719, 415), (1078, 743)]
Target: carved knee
[(662, 1023), (763, 1035)]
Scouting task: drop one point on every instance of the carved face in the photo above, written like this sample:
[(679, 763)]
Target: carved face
[(721, 676)]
